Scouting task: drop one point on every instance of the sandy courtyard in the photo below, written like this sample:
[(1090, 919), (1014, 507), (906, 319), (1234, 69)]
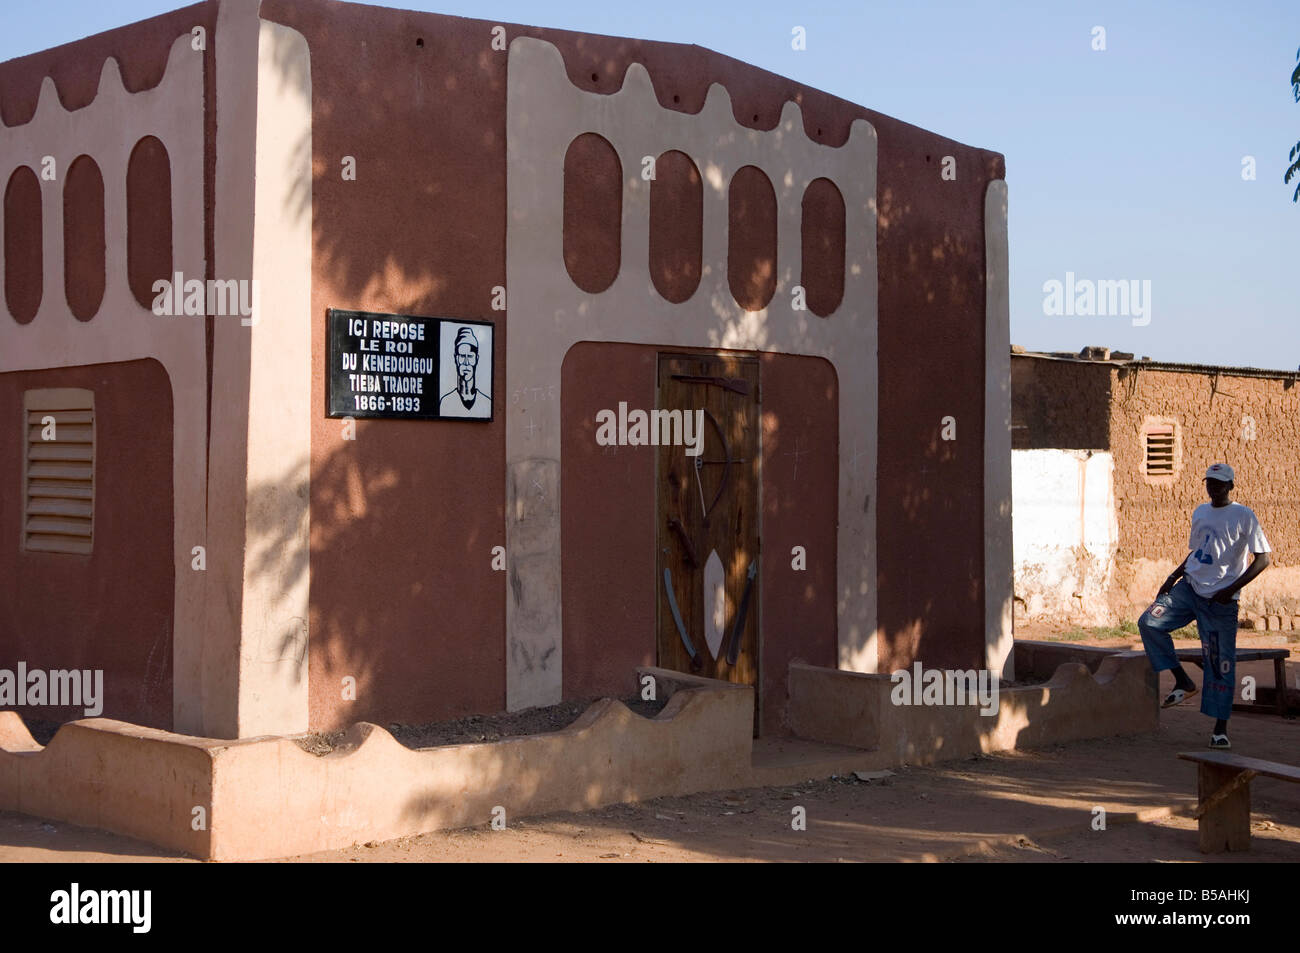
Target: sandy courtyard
[(1035, 806)]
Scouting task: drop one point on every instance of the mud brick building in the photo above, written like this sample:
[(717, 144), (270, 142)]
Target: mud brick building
[(241, 559), (1109, 454)]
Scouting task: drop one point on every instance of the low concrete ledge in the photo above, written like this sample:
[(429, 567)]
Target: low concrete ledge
[(114, 776), (835, 706), (266, 797), (669, 682), (1041, 659), (850, 708)]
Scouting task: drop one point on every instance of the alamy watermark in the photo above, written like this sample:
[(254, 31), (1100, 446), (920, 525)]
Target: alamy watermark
[(220, 297), (57, 688), (656, 428), (77, 906), (1087, 298), (945, 687)]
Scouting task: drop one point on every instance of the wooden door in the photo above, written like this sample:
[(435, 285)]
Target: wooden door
[(709, 504)]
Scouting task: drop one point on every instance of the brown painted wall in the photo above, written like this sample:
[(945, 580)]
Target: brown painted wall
[(822, 246), (148, 218), (800, 508), (422, 230), (24, 230), (111, 610), (676, 227), (404, 518), (84, 250), (607, 513), (593, 213), (930, 528)]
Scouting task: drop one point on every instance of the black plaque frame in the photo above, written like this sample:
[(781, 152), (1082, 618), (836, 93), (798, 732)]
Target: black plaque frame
[(341, 398)]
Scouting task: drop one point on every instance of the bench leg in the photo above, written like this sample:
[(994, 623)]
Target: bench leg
[(1279, 681), (1225, 823)]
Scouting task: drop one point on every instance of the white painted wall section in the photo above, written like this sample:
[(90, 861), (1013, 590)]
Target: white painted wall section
[(1065, 534)]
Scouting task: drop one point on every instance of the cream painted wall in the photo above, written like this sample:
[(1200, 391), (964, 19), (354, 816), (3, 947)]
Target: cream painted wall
[(277, 560), (255, 664), (998, 654)]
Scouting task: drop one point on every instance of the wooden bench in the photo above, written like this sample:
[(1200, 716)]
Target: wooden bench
[(1223, 788), (1277, 656)]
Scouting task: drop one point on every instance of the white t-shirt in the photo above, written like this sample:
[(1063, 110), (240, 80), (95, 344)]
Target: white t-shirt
[(1221, 539)]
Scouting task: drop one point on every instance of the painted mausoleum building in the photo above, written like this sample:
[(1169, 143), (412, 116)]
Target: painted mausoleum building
[(311, 312)]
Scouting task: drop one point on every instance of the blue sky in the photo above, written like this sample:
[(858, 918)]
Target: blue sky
[(1122, 164)]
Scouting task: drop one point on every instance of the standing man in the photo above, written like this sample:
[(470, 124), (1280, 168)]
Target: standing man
[(1205, 588)]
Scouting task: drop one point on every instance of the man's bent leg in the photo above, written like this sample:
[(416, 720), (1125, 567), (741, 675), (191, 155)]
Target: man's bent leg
[(1171, 611)]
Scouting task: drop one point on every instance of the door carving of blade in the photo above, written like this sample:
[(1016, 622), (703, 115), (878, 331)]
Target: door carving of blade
[(738, 633), (696, 662)]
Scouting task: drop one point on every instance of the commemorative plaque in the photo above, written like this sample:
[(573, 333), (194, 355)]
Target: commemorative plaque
[(401, 367)]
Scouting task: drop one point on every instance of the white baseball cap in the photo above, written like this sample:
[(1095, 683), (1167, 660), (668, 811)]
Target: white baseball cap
[(1219, 471)]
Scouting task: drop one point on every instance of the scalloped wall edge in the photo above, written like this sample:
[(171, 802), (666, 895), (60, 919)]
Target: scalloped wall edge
[(638, 83), (50, 99)]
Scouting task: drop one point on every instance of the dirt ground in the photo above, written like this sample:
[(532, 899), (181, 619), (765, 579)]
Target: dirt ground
[(1246, 638), (1036, 806)]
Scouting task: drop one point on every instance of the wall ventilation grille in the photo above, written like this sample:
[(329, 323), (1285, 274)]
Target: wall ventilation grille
[(1160, 451), (59, 482)]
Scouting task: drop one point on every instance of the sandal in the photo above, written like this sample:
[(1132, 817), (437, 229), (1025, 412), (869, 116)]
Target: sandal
[(1177, 697), (1220, 741)]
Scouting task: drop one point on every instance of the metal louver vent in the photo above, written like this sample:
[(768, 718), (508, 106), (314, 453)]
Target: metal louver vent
[(1160, 450), (59, 483)]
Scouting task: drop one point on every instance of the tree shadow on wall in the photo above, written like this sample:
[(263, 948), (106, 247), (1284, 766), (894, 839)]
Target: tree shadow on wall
[(417, 627), (932, 488), (426, 237)]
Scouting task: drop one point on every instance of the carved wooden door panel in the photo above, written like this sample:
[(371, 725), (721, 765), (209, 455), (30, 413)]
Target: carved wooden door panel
[(708, 518)]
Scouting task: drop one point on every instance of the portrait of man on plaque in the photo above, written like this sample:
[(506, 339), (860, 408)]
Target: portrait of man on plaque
[(465, 371)]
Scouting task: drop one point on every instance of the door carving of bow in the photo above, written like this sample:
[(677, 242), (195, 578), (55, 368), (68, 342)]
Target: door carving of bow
[(700, 463)]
